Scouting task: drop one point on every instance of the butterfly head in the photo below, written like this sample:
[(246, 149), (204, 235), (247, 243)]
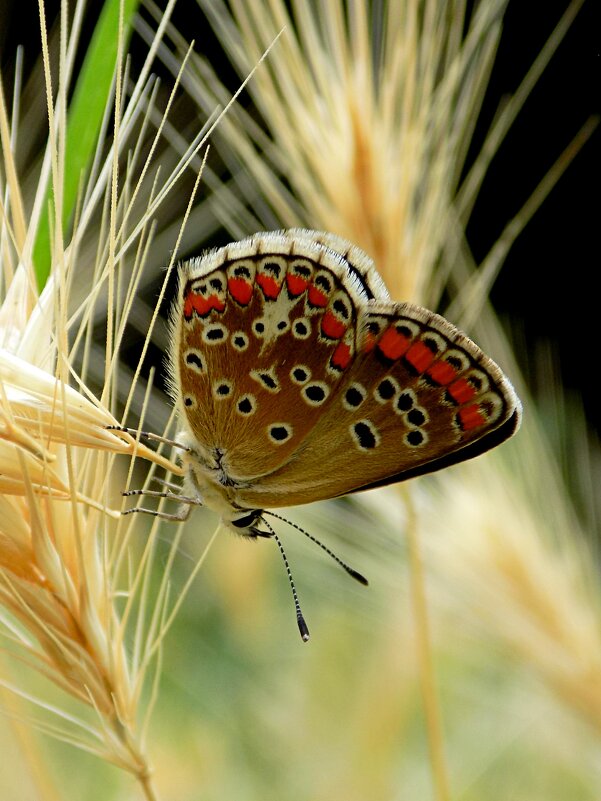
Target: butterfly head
[(246, 522)]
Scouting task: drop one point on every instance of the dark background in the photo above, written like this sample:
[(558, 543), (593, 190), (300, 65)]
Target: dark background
[(548, 288), (550, 282)]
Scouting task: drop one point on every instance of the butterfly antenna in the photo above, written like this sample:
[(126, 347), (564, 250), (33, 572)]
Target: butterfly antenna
[(351, 571), (300, 620)]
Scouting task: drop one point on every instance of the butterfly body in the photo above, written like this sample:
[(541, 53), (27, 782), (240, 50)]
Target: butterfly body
[(297, 379)]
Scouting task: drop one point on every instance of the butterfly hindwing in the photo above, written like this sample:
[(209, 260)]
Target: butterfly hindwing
[(418, 396)]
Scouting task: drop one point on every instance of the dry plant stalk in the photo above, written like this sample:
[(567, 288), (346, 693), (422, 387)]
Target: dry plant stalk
[(72, 607), (57, 580), (368, 117)]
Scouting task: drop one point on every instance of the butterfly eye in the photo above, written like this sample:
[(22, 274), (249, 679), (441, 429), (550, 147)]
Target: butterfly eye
[(246, 519)]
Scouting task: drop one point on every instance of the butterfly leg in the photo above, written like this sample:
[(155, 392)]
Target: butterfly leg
[(182, 514), (169, 484)]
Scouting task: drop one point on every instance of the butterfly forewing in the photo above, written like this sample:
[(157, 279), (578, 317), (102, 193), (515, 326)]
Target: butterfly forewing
[(261, 343)]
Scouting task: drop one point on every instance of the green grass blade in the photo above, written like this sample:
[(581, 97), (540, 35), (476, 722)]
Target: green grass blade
[(84, 119)]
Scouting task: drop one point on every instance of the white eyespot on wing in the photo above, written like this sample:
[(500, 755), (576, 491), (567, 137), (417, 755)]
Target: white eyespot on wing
[(214, 334), (405, 401), (298, 276), (259, 327), (271, 272), (315, 393), (386, 389), (239, 341), (365, 435), (416, 438), (266, 379), (279, 433), (300, 374), (222, 389), (195, 361), (435, 343), (246, 405), (301, 328), (320, 290), (354, 396)]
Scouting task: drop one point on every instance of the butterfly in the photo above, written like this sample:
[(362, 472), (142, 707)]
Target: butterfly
[(296, 379)]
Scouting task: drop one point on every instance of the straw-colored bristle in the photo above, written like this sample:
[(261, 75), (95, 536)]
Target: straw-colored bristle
[(71, 607)]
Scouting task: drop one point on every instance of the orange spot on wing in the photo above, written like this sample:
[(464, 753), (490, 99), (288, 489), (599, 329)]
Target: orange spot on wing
[(241, 290), (332, 327), (461, 391), (370, 342), (317, 297), (270, 287), (442, 373), (188, 308), (296, 284), (341, 358), (419, 356), (393, 344), (202, 306), (471, 417)]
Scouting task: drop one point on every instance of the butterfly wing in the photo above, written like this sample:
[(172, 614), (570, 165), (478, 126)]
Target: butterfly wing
[(417, 396), (297, 377), (254, 330)]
